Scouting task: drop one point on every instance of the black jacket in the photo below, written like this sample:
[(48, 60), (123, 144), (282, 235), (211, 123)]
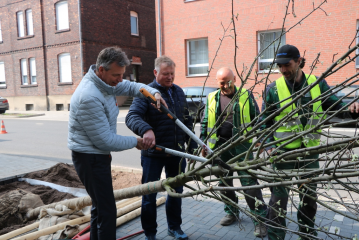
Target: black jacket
[(142, 116)]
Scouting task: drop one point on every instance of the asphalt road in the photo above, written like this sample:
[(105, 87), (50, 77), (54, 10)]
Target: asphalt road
[(47, 140)]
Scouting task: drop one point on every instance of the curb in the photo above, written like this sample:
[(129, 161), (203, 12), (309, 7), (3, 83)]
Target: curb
[(22, 116)]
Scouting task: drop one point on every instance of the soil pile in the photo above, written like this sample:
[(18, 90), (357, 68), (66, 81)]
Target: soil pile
[(47, 195), (125, 179), (62, 174)]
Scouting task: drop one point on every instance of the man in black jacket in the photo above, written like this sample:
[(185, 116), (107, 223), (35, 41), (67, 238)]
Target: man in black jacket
[(158, 128)]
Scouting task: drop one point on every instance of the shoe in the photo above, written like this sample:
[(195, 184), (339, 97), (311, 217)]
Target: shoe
[(260, 230), (228, 219), (150, 238), (177, 234)]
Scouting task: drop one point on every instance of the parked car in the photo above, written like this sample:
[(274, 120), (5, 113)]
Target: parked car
[(347, 101), (4, 105), (193, 96)]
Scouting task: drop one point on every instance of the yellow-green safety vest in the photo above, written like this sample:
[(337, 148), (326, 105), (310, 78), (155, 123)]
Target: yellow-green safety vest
[(293, 127), (244, 114)]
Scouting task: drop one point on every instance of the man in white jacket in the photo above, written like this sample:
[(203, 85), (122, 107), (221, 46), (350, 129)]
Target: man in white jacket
[(93, 135)]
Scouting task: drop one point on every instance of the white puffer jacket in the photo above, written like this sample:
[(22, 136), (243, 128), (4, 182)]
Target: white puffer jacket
[(93, 115)]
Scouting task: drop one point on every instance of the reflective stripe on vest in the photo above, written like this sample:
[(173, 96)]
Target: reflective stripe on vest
[(294, 126), (245, 117)]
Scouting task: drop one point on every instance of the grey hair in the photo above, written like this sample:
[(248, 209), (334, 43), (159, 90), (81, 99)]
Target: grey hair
[(163, 59), (110, 55)]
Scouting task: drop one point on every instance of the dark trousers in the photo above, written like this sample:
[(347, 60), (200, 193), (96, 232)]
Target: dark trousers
[(306, 212), (94, 171), (152, 168)]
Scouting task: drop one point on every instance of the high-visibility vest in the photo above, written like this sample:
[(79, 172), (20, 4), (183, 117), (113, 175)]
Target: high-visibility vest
[(293, 127), (212, 105)]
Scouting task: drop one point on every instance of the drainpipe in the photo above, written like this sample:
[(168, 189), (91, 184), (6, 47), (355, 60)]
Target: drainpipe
[(45, 55), (80, 35), (159, 27)]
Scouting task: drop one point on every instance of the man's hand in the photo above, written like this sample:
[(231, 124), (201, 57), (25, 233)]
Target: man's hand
[(160, 100), (270, 151), (149, 140), (204, 153), (139, 145), (259, 150), (354, 107)]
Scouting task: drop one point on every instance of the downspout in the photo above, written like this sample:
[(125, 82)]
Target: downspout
[(80, 34), (159, 27), (45, 56)]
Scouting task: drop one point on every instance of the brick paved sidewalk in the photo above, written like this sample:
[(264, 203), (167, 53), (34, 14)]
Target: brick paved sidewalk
[(201, 221)]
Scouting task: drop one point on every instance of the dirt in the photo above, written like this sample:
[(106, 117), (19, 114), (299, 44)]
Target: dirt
[(65, 175), (125, 179), (62, 174), (47, 195)]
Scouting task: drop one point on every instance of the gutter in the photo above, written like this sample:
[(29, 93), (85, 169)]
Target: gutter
[(159, 26), (80, 35)]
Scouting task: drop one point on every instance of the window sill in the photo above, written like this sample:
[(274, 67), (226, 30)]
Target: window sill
[(193, 76), (25, 37), (267, 71), (62, 30), (3, 87), (64, 83), (29, 86), (190, 1), (135, 35)]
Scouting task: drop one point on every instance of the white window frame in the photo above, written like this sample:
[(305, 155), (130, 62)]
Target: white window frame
[(62, 22), (65, 77), (2, 74), (196, 65), (29, 22), (20, 24), (259, 50), (135, 15), (0, 32), (23, 72), (357, 51), (32, 63)]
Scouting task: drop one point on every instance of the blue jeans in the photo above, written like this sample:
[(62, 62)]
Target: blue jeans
[(152, 168)]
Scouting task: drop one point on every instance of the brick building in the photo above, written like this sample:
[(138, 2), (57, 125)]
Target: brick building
[(189, 32), (47, 46)]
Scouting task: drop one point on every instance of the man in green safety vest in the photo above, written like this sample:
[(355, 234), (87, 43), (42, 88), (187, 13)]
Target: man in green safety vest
[(238, 116), (290, 64)]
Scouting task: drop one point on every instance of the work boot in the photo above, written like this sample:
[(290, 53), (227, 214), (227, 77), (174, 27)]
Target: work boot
[(228, 219), (177, 234), (260, 230)]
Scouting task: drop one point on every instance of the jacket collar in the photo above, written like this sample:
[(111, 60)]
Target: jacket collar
[(104, 87), (159, 87)]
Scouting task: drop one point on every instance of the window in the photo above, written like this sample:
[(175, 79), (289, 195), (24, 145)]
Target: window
[(197, 57), (62, 15), (0, 33), (29, 22), (265, 39), (2, 74), (23, 66), (65, 67), (20, 24), (134, 23), (357, 59), (33, 71)]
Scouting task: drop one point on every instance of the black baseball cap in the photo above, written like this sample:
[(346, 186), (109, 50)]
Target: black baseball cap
[(286, 53)]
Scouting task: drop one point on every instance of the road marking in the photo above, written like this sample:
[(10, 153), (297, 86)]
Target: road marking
[(338, 218), (342, 130), (332, 230)]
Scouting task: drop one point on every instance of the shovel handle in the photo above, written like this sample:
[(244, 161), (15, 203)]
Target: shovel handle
[(153, 100)]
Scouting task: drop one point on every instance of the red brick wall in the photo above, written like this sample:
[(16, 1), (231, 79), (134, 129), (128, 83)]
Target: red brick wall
[(108, 24), (319, 33)]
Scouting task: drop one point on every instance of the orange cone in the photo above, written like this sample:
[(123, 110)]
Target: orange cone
[(3, 131)]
